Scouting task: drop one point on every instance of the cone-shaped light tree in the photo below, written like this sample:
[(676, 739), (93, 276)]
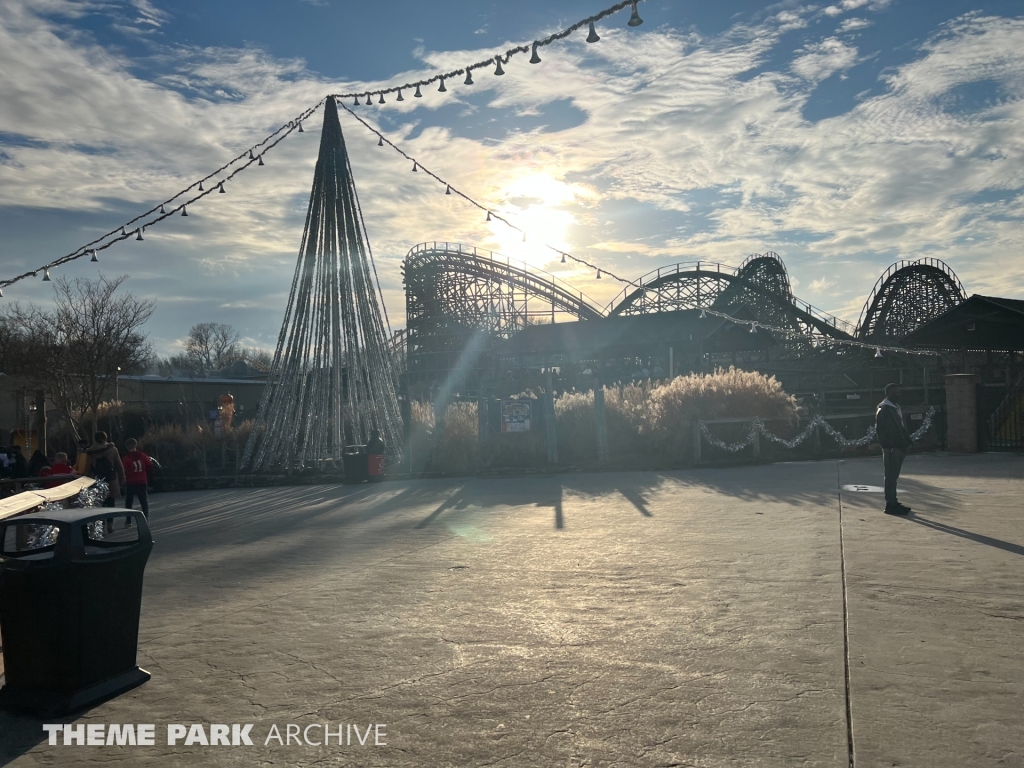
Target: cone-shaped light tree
[(332, 379)]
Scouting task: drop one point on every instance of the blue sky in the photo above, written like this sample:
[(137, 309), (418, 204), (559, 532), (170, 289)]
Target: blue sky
[(843, 135)]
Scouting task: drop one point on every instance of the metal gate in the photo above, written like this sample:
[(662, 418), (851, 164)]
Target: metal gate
[(1001, 417)]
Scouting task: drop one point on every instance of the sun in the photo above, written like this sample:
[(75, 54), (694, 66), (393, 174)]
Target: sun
[(533, 202)]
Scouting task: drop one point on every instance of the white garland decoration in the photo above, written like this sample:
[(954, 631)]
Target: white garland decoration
[(757, 427)]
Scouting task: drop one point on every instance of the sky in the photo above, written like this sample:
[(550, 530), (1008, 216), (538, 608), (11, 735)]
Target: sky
[(844, 136)]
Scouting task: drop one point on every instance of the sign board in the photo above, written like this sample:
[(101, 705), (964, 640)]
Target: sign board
[(515, 415)]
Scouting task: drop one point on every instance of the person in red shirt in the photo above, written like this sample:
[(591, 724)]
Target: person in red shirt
[(60, 466), (137, 467)]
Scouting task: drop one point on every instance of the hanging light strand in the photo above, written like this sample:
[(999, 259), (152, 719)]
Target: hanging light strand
[(492, 215), (797, 335), (530, 47), (168, 207)]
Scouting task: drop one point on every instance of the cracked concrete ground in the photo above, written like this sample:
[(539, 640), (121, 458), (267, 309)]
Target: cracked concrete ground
[(690, 618)]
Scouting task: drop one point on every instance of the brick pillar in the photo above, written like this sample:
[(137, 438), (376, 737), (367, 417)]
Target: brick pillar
[(962, 412)]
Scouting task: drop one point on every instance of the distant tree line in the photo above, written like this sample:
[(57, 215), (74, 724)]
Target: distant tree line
[(93, 333), (213, 348)]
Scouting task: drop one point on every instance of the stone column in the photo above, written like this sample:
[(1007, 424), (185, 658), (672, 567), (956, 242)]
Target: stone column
[(962, 412)]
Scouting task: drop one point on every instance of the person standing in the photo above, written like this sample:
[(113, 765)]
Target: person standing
[(137, 469), (894, 438), (82, 457), (103, 462), (36, 462)]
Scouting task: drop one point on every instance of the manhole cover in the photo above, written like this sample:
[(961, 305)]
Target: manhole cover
[(864, 488)]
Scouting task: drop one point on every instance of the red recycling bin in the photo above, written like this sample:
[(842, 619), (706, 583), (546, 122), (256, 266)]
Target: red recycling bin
[(375, 466)]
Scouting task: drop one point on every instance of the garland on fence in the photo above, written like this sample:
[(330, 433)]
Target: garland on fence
[(758, 427)]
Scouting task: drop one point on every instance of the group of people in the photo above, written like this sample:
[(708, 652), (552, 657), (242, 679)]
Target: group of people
[(129, 475)]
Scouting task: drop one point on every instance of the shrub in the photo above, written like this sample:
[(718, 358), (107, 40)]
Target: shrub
[(576, 427), (458, 449), (721, 395)]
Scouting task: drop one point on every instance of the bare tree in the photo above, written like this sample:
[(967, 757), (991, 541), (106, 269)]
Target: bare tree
[(210, 345), (76, 350)]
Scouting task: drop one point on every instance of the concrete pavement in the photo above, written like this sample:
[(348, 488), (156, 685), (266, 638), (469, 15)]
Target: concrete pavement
[(631, 619)]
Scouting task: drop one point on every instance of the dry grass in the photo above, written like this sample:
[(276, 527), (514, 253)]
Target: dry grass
[(458, 447), (656, 419), (724, 394)]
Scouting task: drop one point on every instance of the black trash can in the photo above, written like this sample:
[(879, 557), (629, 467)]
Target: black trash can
[(70, 597), (354, 461)]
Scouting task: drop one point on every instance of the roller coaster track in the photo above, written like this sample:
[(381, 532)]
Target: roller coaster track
[(905, 297), (454, 291), (761, 283)]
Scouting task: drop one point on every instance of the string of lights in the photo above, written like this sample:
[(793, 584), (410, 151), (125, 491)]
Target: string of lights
[(417, 166), (492, 215), (498, 60), (755, 324), (132, 229)]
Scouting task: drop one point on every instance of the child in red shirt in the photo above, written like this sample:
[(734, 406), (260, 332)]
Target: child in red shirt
[(137, 467), (60, 466)]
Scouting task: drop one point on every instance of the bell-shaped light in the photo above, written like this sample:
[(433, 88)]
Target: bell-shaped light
[(703, 314), (442, 89), (593, 37), (448, 189), (418, 95), (469, 77), (381, 101), (415, 168), (201, 187), (251, 156), (753, 327), (380, 142), (488, 215), (46, 276), (563, 258), (599, 274), (878, 353), (184, 212), (535, 59), (138, 234), (498, 70), (222, 190), (162, 208), (400, 96), (261, 161), (94, 258), (123, 232), (524, 237), (356, 103), (634, 19), (300, 127)]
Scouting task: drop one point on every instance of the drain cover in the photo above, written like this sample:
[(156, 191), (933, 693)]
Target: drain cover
[(864, 488)]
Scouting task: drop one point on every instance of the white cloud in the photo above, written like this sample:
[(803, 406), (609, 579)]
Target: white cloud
[(822, 60), (852, 25), (673, 124), (852, 5)]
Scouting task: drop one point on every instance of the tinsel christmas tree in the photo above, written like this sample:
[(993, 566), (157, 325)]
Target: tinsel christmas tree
[(332, 379)]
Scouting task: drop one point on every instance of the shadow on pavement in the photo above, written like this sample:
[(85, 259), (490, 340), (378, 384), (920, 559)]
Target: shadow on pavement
[(19, 735), (1006, 546)]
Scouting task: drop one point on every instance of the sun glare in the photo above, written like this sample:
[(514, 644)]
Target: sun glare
[(533, 202)]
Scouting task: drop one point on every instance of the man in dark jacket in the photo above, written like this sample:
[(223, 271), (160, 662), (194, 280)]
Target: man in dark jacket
[(895, 440)]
